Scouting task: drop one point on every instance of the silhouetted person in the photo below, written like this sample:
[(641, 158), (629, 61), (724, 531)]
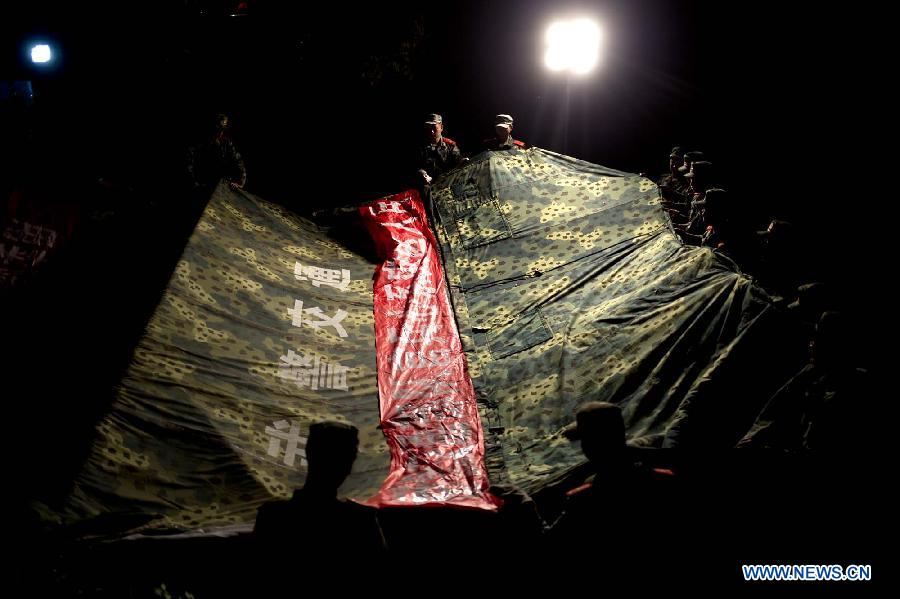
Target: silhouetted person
[(673, 185), (217, 159), (314, 533), (829, 405), (778, 261), (619, 509)]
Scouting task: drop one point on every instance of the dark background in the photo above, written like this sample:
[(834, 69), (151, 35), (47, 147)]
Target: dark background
[(327, 100)]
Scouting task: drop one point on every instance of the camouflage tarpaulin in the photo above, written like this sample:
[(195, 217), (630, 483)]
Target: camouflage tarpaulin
[(568, 286), (266, 326)]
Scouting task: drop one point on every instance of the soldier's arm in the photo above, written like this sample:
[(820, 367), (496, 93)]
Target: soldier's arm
[(455, 156), (241, 168)]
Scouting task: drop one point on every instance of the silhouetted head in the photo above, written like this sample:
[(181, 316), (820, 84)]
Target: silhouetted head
[(700, 176), (600, 427), (688, 160), (222, 123), (330, 452), (676, 159)]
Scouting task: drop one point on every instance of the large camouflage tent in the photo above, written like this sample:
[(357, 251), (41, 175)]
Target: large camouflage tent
[(567, 285)]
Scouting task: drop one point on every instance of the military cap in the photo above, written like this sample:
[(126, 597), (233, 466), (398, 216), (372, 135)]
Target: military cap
[(677, 151), (433, 119), (690, 157), (503, 119), (702, 167), (595, 416), (715, 197)]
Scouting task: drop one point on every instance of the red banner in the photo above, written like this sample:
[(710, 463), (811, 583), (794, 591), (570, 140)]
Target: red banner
[(428, 410)]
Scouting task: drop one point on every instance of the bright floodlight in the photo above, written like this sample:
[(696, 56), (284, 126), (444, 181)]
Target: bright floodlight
[(40, 53), (573, 46)]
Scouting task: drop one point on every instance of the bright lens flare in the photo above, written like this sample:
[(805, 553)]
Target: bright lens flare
[(573, 46), (40, 53)]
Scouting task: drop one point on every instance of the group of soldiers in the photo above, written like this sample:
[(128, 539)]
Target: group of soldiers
[(703, 213), (217, 158), (439, 154)]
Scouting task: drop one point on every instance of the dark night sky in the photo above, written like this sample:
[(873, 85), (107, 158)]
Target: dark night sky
[(328, 98)]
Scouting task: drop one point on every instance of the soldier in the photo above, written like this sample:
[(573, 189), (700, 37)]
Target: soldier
[(700, 179), (439, 154), (217, 159), (673, 185), (503, 139), (622, 504), (315, 527)]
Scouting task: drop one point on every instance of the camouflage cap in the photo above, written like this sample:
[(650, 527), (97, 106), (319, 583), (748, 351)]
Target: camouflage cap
[(714, 197), (690, 157), (677, 151), (704, 168), (433, 119), (595, 417), (503, 119)]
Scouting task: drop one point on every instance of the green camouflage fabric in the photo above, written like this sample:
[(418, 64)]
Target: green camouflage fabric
[(211, 417), (569, 285)]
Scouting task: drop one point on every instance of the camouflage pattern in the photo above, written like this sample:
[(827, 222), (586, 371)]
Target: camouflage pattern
[(185, 441), (567, 282), (569, 285)]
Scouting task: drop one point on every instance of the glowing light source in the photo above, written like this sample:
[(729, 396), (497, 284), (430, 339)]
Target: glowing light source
[(41, 53), (573, 46)]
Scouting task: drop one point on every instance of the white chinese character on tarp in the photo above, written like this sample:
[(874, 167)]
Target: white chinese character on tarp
[(332, 277), (394, 292), (289, 432), (414, 334), (410, 249), (38, 235), (402, 270), (390, 206), (421, 359), (402, 225), (297, 318), (314, 373), (415, 313)]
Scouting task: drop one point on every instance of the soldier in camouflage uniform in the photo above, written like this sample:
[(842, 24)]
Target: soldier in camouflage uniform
[(439, 154), (673, 186), (503, 139), (217, 159)]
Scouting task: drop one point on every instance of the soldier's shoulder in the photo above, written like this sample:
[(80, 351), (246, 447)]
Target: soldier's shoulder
[(271, 513), (579, 491), (449, 141), (520, 144)]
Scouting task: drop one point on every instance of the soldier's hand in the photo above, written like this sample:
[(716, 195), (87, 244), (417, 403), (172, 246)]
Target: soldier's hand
[(427, 177), (235, 185)]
